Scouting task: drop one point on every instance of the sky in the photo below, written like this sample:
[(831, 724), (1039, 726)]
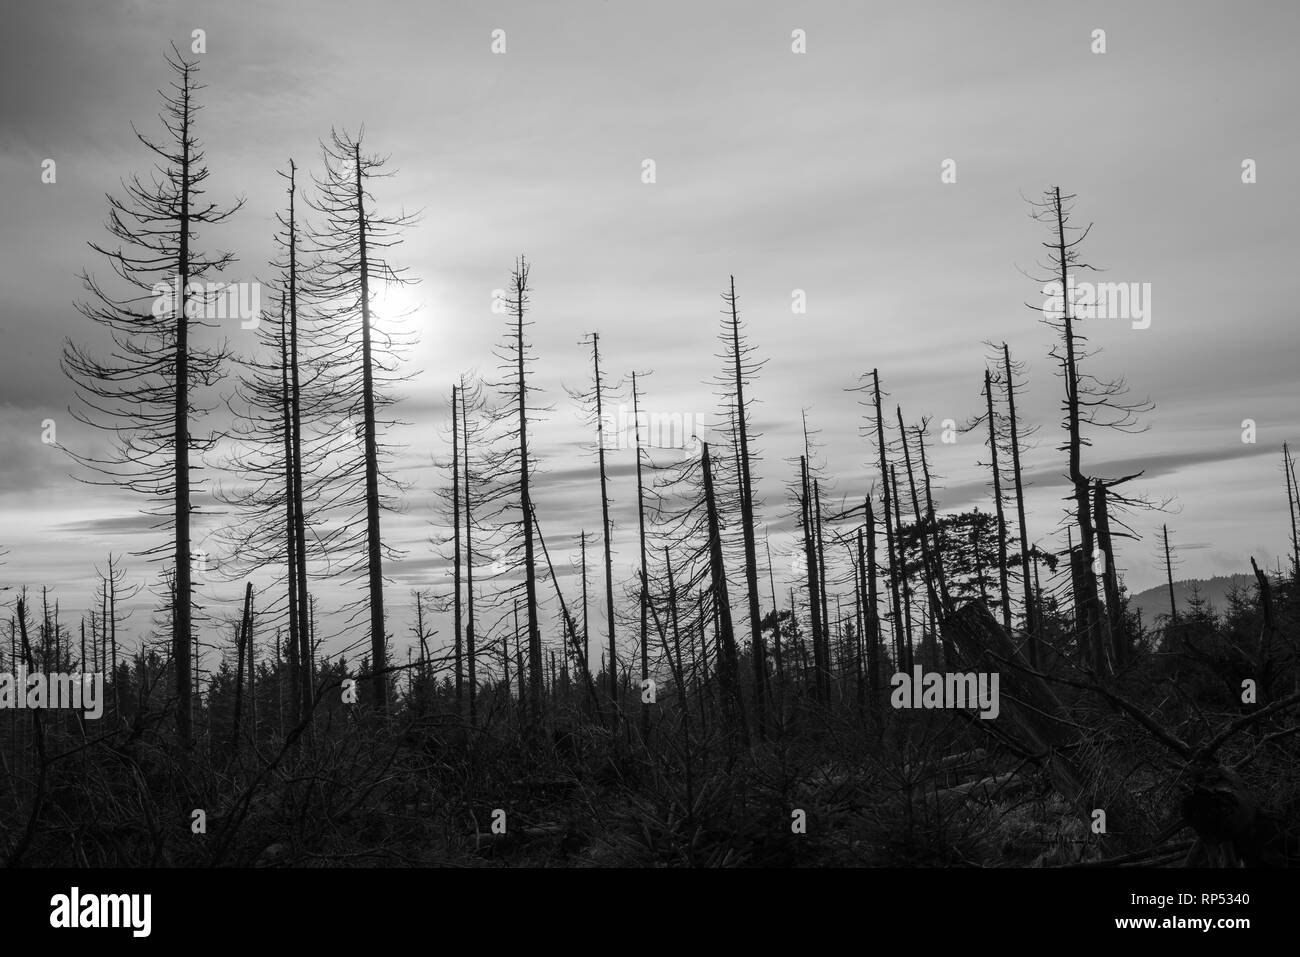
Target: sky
[(885, 172)]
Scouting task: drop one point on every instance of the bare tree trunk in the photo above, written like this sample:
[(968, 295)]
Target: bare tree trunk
[(519, 672), (922, 527), (940, 575), (294, 425), (640, 517), (700, 664), (182, 633), (570, 628), (1038, 592), (825, 675), (1292, 496), (873, 614), (906, 649), (245, 630), (612, 664), (1169, 574), (776, 617), (457, 624), (1110, 578), (112, 635), (471, 652), (814, 581), (889, 527), (1031, 623), (505, 658), (296, 598), (526, 507), (728, 668), (586, 634), (1003, 589), (677, 645), (747, 529), (252, 687), (864, 624), (1090, 624), (375, 571), (420, 635)]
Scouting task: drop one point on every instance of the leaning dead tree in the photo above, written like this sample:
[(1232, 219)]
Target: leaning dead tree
[(728, 665), (145, 395), (1170, 562)]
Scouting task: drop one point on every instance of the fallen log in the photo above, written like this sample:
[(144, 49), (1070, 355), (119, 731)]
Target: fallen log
[(1034, 712)]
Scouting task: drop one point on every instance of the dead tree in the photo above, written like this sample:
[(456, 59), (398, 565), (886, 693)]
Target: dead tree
[(471, 401), (940, 573), (1292, 498), (1110, 577), (573, 643), (728, 666), (1009, 384), (1088, 402), (457, 635), (643, 599), (741, 368), (1003, 589), (144, 395), (112, 591), (280, 434), (245, 636), (873, 608), (350, 241), (680, 671), (776, 617), (882, 442), (1169, 573), (586, 634), (293, 426), (930, 557), (905, 649), (825, 673), (814, 583), (593, 401), (516, 467)]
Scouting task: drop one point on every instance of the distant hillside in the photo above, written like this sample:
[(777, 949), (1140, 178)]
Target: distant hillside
[(1155, 601)]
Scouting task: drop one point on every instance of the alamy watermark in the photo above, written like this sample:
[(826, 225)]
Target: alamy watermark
[(658, 430), (950, 689), (211, 300), (1100, 300), (59, 690), (75, 909)]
